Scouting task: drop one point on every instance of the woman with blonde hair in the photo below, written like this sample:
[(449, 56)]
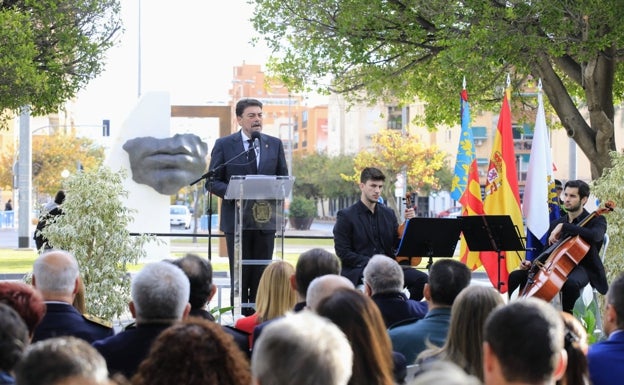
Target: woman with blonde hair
[(274, 298), (464, 341)]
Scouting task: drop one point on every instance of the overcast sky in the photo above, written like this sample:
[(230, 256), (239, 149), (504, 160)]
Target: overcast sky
[(188, 48)]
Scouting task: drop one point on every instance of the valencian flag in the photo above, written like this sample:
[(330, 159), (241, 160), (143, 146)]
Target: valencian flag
[(540, 203), (465, 187), (502, 196)]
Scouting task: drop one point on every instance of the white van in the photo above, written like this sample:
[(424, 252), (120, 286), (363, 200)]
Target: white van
[(179, 215)]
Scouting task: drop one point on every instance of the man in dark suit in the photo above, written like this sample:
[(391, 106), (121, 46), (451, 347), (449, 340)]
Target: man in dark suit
[(368, 228), (267, 159), (590, 269), (199, 273), (160, 294), (55, 275), (383, 282), (606, 358)]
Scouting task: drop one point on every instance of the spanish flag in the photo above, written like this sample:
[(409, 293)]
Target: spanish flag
[(502, 197)]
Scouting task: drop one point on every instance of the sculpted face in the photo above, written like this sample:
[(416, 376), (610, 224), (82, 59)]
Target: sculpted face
[(166, 164)]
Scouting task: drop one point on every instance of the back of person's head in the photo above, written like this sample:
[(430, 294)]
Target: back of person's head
[(25, 300), (615, 301), (59, 198), (275, 295), (194, 352), (160, 293), (575, 344), (199, 273), (371, 173), (324, 286), (525, 337), (302, 349), (383, 275), (361, 321), (444, 372), (55, 272), (447, 278), (583, 187), (463, 344), (244, 103), (14, 337), (54, 360), (314, 263)]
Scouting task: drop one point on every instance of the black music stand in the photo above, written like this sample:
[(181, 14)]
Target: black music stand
[(430, 237), (491, 233)]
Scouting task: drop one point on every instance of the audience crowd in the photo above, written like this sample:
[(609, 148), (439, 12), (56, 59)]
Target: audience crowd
[(311, 326)]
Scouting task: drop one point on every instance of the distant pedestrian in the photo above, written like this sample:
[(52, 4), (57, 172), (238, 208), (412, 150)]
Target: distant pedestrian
[(8, 206)]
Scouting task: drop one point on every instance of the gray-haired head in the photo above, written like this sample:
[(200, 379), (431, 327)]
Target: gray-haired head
[(160, 293), (383, 275), (324, 286), (302, 340), (53, 360), (55, 272)]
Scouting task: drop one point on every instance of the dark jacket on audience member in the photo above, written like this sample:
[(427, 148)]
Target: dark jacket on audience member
[(62, 319), (396, 307)]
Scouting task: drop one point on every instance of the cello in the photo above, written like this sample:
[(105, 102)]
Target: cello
[(413, 261), (546, 278)]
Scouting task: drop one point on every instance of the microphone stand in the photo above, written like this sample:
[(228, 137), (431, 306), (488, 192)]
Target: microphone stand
[(210, 179)]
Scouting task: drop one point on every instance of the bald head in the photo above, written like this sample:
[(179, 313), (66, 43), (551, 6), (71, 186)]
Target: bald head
[(323, 286), (55, 274)]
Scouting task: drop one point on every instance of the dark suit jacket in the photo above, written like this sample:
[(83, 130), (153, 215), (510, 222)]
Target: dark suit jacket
[(396, 307), (606, 360), (593, 233), (272, 162), (125, 351), (352, 238), (62, 319)]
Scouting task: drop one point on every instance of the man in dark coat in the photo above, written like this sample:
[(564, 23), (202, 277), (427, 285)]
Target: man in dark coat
[(590, 269), (368, 228), (267, 159), (55, 275), (160, 293)]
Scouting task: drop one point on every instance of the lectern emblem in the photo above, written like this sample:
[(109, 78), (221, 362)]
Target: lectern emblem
[(262, 211)]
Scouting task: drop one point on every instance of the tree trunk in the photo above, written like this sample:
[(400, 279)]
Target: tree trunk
[(596, 138)]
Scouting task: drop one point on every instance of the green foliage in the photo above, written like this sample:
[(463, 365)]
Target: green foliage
[(94, 228), (318, 176), (609, 187), (51, 49), (397, 52), (301, 207)]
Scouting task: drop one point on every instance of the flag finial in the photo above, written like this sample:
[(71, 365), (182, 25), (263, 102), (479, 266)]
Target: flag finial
[(539, 84)]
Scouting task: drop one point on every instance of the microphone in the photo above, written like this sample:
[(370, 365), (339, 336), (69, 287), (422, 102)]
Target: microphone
[(255, 136)]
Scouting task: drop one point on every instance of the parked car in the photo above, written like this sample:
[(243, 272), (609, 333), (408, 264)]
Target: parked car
[(452, 212), (180, 215)]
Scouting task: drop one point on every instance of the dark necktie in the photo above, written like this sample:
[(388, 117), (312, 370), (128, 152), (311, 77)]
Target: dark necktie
[(251, 155)]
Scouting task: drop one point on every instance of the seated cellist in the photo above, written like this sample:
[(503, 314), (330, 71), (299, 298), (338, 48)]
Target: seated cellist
[(590, 269)]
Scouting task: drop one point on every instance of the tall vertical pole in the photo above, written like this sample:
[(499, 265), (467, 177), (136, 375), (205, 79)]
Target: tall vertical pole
[(404, 168), (139, 55), (24, 181), (290, 137)]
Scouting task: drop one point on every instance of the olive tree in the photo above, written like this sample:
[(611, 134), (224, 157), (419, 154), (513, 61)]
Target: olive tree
[(93, 228)]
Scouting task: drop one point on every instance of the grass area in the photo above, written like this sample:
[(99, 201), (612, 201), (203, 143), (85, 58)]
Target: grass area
[(16, 261)]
